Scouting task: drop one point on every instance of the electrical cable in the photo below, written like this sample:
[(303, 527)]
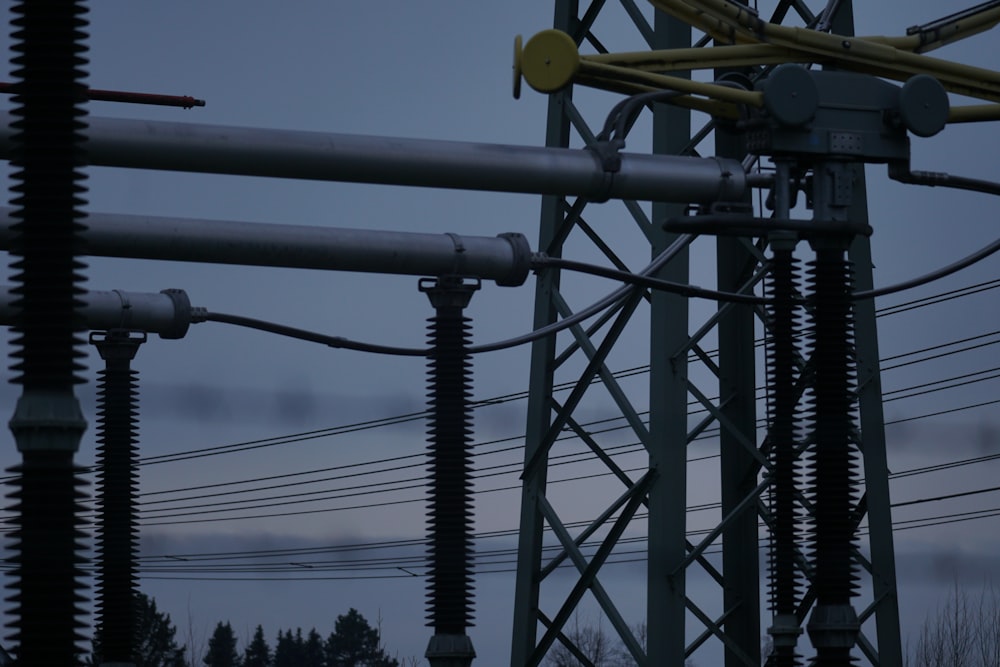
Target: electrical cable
[(892, 396), (951, 294), (340, 342), (646, 281), (331, 549), (409, 417), (360, 490), (401, 563), (955, 267), (933, 300)]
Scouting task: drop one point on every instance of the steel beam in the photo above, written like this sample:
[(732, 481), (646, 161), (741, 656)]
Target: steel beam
[(552, 232), (398, 161), (666, 595)]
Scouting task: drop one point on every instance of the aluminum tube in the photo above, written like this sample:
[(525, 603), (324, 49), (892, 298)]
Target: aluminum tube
[(398, 161), (167, 313), (505, 259)]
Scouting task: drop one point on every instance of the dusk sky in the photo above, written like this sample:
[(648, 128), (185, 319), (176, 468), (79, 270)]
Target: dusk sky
[(442, 70)]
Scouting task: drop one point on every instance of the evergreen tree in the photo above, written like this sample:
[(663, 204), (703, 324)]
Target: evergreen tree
[(155, 644), (290, 649), (257, 652), (313, 654), (354, 643), (222, 647)]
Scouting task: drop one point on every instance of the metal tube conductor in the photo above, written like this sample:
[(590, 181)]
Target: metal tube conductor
[(399, 161), (167, 313), (504, 258)]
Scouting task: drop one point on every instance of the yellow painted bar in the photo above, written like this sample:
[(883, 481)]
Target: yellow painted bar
[(667, 82), (956, 77), (709, 57), (974, 113)]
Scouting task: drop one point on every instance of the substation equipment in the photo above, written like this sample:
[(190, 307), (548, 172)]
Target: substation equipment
[(816, 475)]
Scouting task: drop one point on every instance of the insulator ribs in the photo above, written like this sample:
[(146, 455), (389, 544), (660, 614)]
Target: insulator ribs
[(833, 457), (450, 513), (117, 535), (47, 152)]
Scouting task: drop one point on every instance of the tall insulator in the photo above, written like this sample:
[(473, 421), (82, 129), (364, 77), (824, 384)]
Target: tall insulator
[(117, 534), (834, 457), (450, 512), (784, 439), (46, 586)]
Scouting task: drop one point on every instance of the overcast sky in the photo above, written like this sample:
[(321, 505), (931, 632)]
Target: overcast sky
[(442, 70)]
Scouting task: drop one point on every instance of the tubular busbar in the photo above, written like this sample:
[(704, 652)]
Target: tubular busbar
[(323, 156), (505, 259)]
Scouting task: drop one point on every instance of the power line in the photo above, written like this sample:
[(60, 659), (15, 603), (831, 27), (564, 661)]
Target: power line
[(411, 561), (353, 428), (388, 421)]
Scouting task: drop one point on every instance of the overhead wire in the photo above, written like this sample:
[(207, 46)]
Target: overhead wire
[(179, 565), (159, 520), (414, 416), (937, 385), (341, 492)]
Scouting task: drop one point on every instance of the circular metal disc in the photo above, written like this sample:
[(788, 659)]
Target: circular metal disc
[(549, 61), (790, 95), (923, 105)]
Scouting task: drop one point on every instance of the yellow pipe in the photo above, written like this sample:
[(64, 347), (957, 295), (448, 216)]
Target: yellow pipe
[(713, 108), (667, 82), (964, 79), (672, 60), (974, 113), (711, 24), (949, 33), (551, 61)]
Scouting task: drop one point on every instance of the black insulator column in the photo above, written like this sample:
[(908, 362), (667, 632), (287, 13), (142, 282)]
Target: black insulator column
[(833, 457), (450, 520), (46, 586), (117, 536), (784, 576)]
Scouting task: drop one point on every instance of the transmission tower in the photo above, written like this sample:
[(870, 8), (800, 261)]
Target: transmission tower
[(683, 371)]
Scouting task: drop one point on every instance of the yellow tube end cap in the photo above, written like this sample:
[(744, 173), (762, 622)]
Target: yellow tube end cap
[(548, 61)]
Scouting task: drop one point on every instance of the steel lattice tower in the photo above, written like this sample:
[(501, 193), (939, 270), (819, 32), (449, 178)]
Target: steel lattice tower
[(683, 371)]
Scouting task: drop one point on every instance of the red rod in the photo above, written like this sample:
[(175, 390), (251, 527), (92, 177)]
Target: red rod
[(182, 101)]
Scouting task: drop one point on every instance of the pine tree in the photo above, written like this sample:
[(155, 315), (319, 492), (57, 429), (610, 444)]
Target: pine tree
[(290, 649), (222, 647), (354, 643), (155, 644), (312, 651), (257, 652)]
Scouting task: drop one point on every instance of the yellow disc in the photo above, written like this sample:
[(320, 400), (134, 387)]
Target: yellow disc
[(549, 61)]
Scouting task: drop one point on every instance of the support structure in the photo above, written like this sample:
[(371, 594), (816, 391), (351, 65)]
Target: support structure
[(450, 517), (695, 599), (117, 535)]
